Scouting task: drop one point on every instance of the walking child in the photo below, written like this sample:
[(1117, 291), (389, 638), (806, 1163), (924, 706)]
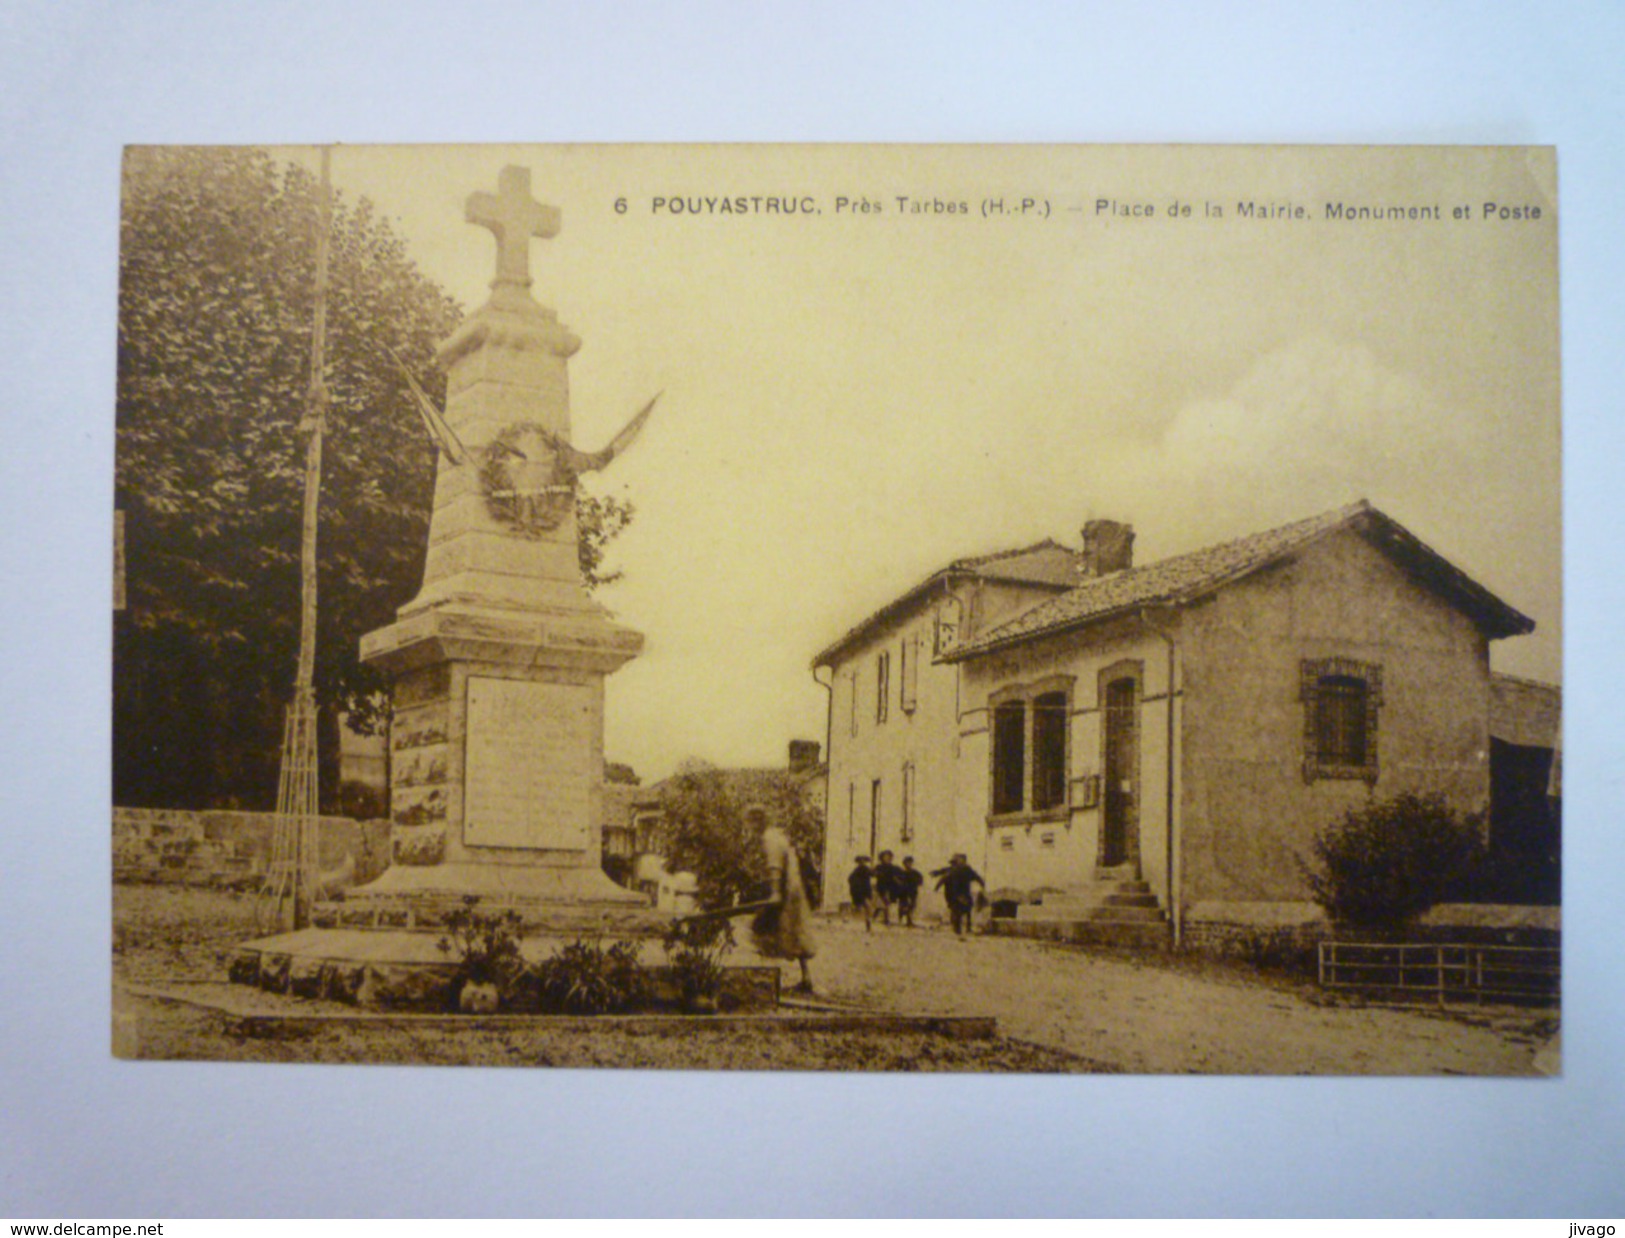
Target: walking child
[(912, 879), (888, 885), (860, 883), (955, 882)]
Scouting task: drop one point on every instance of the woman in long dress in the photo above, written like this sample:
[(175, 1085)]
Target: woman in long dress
[(784, 930)]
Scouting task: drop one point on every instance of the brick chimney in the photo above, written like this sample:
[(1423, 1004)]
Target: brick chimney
[(804, 755), (1108, 546)]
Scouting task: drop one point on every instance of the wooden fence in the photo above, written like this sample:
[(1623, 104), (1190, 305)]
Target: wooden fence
[(1444, 972)]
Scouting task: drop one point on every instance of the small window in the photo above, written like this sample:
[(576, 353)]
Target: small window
[(1007, 843), (854, 701), (1340, 737), (1009, 756), (882, 685), (1340, 699)]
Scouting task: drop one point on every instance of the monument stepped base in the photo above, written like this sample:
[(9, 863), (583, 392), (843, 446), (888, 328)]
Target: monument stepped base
[(555, 900), (405, 969)]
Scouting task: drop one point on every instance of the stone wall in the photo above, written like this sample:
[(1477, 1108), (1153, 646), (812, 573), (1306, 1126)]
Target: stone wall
[(1287, 934), (227, 848)]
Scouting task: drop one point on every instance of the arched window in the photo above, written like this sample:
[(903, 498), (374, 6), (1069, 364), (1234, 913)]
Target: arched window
[(1030, 724), (1049, 751), (1009, 756)]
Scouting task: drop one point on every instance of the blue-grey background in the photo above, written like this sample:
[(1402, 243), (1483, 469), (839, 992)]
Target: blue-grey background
[(84, 1135)]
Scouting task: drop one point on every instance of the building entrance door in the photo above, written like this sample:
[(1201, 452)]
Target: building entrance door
[(1121, 772)]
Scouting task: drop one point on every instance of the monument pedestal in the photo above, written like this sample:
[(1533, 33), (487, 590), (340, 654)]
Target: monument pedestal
[(496, 754)]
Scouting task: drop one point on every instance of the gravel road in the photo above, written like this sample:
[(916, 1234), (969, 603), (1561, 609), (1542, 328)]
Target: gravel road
[(1166, 1017), (1059, 1008)]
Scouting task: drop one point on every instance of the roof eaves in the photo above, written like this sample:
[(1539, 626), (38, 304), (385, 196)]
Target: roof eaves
[(973, 566), (993, 644), (827, 655), (1499, 619)]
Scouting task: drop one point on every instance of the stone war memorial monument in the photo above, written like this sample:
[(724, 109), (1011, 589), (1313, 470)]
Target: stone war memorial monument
[(497, 665)]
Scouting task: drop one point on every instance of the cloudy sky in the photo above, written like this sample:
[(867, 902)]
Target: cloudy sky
[(853, 399)]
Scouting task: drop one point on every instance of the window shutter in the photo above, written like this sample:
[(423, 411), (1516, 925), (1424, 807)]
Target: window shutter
[(910, 686)]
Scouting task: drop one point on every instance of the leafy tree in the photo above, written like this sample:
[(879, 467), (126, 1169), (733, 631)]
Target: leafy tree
[(217, 257), (1385, 864), (703, 829), (599, 520)]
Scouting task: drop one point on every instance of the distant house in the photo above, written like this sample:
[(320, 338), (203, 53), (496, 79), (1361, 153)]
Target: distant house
[(1189, 724), (617, 826), (632, 819)]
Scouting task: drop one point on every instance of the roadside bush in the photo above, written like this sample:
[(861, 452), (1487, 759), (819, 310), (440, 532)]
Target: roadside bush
[(486, 948), (695, 950), (585, 977), (703, 830), (1383, 865)]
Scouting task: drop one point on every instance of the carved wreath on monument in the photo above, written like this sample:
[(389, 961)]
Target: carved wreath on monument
[(527, 483)]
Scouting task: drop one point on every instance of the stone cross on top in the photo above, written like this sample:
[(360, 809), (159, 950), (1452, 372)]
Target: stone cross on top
[(513, 217)]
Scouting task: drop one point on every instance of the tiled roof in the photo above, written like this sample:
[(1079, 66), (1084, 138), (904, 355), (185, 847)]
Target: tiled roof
[(1186, 577), (1046, 563)]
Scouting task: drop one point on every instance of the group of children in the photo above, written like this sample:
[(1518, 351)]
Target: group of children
[(875, 891)]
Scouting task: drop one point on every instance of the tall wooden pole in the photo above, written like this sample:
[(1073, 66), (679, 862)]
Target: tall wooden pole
[(315, 423), (294, 858)]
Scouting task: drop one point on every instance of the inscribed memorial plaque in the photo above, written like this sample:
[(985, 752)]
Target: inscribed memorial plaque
[(528, 755)]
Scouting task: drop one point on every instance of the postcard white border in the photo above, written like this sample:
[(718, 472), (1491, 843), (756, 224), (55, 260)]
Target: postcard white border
[(84, 1135)]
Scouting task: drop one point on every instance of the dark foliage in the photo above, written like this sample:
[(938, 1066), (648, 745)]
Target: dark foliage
[(216, 284), (1383, 865), (486, 947), (586, 977), (695, 950)]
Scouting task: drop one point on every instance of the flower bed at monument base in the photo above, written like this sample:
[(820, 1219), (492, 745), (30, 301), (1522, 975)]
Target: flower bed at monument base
[(402, 970)]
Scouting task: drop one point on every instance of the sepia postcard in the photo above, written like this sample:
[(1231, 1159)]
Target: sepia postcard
[(1044, 609)]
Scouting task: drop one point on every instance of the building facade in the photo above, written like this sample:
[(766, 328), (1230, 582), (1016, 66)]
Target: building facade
[(1193, 723), (892, 780)]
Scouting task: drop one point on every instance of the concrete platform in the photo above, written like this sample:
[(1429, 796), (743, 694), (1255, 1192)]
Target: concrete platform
[(563, 900)]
